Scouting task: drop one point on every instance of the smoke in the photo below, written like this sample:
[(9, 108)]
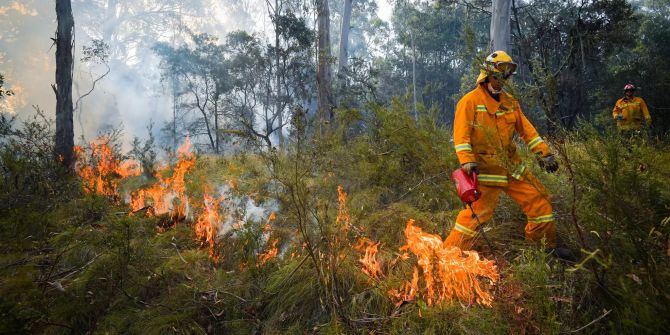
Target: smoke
[(132, 95), (240, 209), (25, 59)]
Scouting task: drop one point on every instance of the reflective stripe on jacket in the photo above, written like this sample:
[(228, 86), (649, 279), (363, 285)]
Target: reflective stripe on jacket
[(632, 111), (483, 133)]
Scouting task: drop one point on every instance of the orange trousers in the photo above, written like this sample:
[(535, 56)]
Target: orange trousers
[(528, 193)]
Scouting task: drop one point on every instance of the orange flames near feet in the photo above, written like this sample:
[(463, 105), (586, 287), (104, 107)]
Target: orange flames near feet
[(449, 272), (101, 170)]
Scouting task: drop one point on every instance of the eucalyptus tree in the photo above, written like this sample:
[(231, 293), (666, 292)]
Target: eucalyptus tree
[(324, 73), (561, 47), (64, 148), (433, 46), (361, 37), (345, 25), (500, 25), (249, 102), (200, 65), (292, 59)]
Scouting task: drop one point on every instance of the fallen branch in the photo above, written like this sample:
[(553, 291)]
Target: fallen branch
[(56, 283)]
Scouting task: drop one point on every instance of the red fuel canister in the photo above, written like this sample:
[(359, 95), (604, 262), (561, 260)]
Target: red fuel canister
[(466, 186)]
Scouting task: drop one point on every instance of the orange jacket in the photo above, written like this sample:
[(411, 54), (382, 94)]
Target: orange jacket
[(631, 111), (483, 133)]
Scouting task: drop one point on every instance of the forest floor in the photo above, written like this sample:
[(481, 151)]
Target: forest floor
[(317, 239)]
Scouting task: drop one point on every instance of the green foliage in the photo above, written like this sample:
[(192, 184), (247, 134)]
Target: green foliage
[(145, 152), (442, 41), (97, 52), (639, 65), (533, 273), (4, 92), (83, 265), (29, 170), (621, 206), (74, 263)]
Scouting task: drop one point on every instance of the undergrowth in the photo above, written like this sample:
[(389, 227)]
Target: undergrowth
[(80, 264)]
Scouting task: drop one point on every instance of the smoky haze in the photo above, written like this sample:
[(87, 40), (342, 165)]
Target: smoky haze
[(133, 93)]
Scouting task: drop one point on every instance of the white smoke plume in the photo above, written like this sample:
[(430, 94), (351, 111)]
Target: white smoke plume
[(132, 94)]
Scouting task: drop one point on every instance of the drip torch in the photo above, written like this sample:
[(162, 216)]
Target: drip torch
[(469, 193)]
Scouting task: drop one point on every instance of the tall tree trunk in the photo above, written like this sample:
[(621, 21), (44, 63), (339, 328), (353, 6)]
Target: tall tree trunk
[(63, 87), (414, 110), (175, 108), (344, 37), (278, 103), (176, 33), (500, 25), (216, 125), (343, 57), (323, 72)]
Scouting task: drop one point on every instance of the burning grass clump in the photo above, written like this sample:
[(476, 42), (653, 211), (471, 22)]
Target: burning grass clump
[(449, 273), (101, 169)]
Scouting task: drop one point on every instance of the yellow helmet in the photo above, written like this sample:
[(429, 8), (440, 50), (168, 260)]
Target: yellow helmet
[(498, 62)]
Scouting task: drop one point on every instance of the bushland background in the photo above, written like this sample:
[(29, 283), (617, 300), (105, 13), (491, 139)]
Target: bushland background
[(282, 105)]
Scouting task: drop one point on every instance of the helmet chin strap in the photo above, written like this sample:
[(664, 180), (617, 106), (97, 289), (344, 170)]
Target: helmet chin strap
[(493, 90)]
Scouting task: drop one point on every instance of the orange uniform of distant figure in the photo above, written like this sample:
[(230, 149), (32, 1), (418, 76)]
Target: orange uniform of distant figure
[(483, 133), (628, 113)]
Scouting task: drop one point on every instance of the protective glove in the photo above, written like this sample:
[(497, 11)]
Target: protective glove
[(549, 163), (470, 168)]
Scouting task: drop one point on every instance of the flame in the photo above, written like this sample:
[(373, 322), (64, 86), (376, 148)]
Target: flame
[(267, 227), (449, 273), (268, 254), (136, 201), (206, 227), (408, 292), (342, 215), (167, 189), (101, 170), (371, 266)]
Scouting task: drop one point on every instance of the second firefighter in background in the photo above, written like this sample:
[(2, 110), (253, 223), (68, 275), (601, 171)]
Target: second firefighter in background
[(484, 125), (629, 111)]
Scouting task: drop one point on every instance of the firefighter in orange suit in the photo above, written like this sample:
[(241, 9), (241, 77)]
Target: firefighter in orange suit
[(629, 110), (486, 120)]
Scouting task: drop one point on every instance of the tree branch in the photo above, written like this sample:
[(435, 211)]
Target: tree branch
[(76, 104)]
